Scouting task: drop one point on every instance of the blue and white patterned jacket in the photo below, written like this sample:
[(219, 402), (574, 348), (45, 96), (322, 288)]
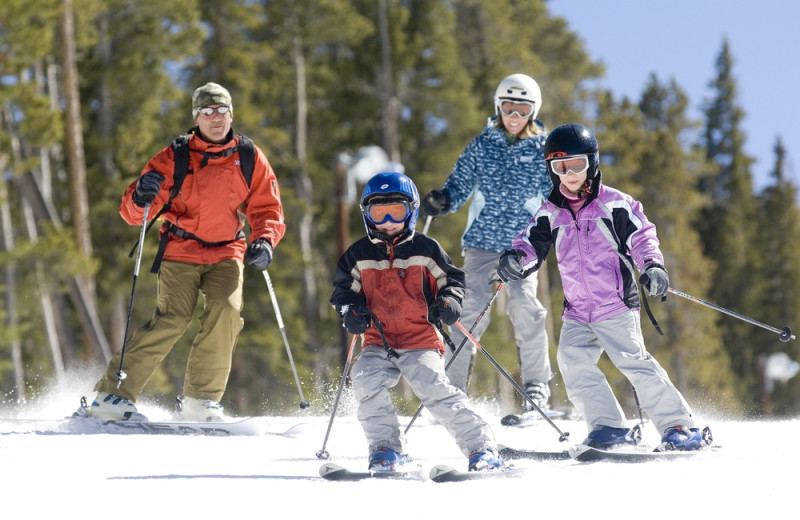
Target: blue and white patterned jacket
[(507, 181)]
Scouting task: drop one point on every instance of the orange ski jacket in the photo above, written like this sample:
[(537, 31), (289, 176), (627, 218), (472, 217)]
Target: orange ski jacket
[(213, 203)]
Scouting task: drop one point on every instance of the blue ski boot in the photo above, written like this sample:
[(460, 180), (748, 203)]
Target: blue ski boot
[(684, 439), (486, 459), (605, 437), (386, 460)]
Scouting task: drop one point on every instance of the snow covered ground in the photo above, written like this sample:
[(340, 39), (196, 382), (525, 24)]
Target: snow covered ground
[(272, 476)]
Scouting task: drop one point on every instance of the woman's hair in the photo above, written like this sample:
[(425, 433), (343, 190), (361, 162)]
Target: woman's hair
[(532, 129)]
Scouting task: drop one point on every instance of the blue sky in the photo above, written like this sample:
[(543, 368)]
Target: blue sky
[(681, 40)]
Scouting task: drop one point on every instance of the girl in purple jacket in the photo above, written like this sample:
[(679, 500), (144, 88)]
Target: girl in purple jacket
[(601, 235)]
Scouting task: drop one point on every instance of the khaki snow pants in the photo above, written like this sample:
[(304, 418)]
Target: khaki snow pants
[(209, 363)]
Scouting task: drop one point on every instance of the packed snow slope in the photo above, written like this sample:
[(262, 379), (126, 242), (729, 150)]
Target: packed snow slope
[(56, 475)]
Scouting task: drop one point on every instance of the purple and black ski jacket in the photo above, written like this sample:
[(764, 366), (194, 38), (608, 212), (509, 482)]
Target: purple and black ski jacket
[(596, 250)]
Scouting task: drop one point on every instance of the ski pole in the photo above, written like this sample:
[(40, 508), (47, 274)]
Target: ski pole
[(427, 225), (120, 374), (638, 407), (562, 436), (456, 351), (323, 453), (784, 334), (303, 402)]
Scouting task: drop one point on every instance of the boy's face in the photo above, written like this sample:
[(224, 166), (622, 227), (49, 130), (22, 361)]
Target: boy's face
[(390, 228)]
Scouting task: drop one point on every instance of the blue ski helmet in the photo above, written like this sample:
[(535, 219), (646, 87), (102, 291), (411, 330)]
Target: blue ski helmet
[(388, 186)]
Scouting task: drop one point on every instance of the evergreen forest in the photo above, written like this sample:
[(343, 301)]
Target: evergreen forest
[(91, 89)]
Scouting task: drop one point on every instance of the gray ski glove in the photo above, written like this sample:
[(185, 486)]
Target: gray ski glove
[(510, 265), (657, 283)]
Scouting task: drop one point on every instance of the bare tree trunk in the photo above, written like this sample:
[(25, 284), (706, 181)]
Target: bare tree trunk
[(386, 91), (76, 163), (87, 313), (76, 160), (105, 114), (303, 185), (11, 287), (45, 298)]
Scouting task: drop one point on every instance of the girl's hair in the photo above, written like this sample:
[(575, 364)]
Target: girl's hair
[(532, 129)]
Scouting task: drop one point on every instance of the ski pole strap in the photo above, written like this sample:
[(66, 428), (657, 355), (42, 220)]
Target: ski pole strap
[(447, 338), (390, 352), (650, 314)]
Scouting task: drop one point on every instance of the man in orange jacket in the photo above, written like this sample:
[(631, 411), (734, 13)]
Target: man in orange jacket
[(204, 251)]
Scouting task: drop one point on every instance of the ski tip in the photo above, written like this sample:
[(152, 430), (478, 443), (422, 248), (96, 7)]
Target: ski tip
[(437, 472), (328, 468), (511, 420), (576, 450)]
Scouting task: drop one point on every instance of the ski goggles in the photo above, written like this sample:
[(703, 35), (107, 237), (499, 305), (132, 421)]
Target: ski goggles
[(395, 211), (207, 111), (576, 165), (521, 108)]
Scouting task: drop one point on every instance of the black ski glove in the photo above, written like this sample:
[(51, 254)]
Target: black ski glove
[(259, 254), (657, 283), (447, 309), (147, 187), (356, 318), (436, 203), (510, 266)]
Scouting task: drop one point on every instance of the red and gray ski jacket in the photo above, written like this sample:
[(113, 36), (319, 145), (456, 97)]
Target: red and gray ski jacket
[(398, 283)]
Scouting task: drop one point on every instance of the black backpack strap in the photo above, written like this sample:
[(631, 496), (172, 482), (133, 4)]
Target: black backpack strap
[(247, 157), (172, 229), (180, 147)]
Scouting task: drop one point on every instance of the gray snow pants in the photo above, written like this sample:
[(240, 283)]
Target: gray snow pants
[(579, 350), (524, 309), (373, 374)]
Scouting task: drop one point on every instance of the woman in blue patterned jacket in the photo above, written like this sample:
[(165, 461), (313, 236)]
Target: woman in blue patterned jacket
[(504, 173)]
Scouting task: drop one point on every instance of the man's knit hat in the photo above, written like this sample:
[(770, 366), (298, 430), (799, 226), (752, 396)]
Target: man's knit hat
[(210, 94)]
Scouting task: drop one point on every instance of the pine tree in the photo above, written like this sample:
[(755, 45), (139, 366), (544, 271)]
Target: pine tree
[(727, 225), (779, 298)]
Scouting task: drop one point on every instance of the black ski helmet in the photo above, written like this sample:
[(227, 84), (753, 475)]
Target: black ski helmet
[(568, 140)]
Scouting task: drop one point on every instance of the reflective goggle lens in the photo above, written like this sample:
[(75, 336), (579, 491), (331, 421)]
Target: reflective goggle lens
[(396, 212), (521, 108), (207, 111), (575, 165)]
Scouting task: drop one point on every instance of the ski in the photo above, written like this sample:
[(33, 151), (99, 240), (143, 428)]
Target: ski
[(665, 451), (528, 418), (583, 453), (442, 473), (331, 471), (514, 454), (247, 426)]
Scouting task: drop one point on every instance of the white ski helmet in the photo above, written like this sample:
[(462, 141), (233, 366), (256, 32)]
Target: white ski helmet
[(518, 87)]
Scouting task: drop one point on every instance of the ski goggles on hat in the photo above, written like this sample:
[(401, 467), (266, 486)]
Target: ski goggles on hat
[(396, 211), (521, 108), (207, 111), (576, 165)]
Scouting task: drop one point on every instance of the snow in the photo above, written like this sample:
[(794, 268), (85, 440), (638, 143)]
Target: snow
[(267, 476)]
